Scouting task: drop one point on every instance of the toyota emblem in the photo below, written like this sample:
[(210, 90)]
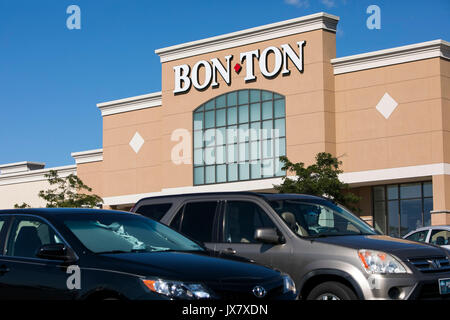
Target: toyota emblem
[(259, 292)]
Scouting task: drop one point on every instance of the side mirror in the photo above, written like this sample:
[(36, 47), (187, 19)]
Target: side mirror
[(268, 235), (57, 251)]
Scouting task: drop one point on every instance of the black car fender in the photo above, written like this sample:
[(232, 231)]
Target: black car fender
[(108, 281)]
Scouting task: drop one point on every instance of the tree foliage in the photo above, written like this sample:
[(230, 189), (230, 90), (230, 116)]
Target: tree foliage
[(319, 179), (21, 206), (68, 192)]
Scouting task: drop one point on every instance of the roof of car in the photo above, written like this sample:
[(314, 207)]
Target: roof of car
[(71, 211), (268, 196), (446, 227), (58, 211)]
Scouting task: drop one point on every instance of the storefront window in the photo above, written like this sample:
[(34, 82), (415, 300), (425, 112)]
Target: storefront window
[(239, 136), (401, 208)]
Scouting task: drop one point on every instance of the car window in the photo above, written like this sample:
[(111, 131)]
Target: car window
[(2, 227), (440, 237), (319, 218), (419, 236), (154, 211), (176, 221), (242, 218), (119, 233), (196, 220), (27, 236), (2, 223)]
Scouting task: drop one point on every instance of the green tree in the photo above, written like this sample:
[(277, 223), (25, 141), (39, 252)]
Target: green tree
[(319, 179), (21, 206), (68, 192)]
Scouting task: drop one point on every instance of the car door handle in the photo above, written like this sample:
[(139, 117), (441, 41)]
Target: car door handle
[(230, 251), (3, 270)]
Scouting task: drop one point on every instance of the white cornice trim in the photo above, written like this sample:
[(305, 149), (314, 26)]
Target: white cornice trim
[(312, 22), (131, 104), (88, 156), (410, 172), (354, 179), (20, 167), (22, 163), (382, 58), (35, 175)]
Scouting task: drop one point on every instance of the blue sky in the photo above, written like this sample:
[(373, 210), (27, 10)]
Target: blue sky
[(51, 78)]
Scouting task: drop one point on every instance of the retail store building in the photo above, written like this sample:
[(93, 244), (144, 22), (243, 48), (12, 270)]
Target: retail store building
[(230, 105)]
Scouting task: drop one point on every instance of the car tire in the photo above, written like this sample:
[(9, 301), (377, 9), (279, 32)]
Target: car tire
[(331, 291)]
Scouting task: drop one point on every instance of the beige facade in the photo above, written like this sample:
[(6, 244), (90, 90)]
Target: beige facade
[(386, 114), (21, 182)]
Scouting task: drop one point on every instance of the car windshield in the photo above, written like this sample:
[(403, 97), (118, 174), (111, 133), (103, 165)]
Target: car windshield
[(124, 233), (314, 219)]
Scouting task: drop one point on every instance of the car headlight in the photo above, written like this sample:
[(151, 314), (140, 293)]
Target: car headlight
[(377, 262), (288, 284), (177, 289)]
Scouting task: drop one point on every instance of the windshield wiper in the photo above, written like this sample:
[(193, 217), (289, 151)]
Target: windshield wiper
[(149, 250), (325, 235), (112, 252), (178, 250), (318, 236), (139, 250), (122, 251)]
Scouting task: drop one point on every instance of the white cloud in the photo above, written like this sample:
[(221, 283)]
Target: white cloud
[(298, 3), (306, 3), (328, 3)]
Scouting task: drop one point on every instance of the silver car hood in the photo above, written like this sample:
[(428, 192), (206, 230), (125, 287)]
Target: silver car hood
[(404, 249)]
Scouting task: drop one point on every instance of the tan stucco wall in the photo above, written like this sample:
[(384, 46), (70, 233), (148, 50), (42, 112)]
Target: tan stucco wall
[(442, 194), (445, 90), (92, 175), (441, 200), (19, 193), (416, 133), (440, 218), (124, 171), (412, 135)]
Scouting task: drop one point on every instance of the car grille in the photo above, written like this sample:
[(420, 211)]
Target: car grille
[(242, 289), (237, 295), (431, 264)]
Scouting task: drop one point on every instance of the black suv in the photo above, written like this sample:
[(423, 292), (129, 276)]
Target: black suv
[(330, 253), (105, 254)]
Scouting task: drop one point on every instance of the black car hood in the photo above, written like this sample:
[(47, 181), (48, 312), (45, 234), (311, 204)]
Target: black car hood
[(403, 249), (189, 267)]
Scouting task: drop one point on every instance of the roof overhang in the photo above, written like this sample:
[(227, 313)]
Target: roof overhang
[(382, 58), (318, 21)]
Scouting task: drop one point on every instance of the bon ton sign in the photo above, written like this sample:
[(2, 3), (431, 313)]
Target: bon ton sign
[(204, 74)]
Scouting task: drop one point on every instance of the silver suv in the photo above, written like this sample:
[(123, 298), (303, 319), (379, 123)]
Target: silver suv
[(329, 252)]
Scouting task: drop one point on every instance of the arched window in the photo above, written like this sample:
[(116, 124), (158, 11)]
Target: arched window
[(239, 136)]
